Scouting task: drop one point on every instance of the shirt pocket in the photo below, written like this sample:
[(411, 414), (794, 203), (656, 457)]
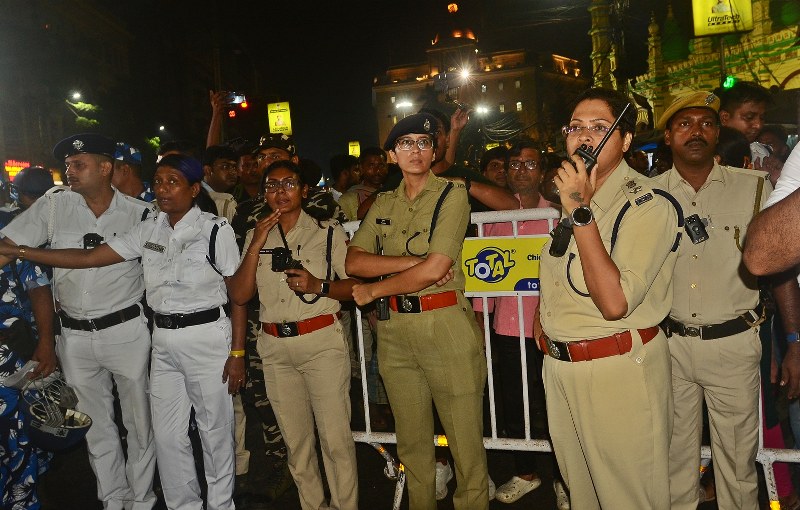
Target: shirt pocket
[(194, 267), (729, 230), (68, 239)]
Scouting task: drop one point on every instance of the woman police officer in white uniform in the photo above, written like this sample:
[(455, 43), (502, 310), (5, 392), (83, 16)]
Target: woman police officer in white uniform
[(304, 353), (197, 357)]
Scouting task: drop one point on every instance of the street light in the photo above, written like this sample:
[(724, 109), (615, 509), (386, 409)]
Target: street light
[(76, 95), (162, 128), (404, 107)]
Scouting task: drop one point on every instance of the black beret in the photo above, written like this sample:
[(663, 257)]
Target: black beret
[(85, 143), (418, 124)]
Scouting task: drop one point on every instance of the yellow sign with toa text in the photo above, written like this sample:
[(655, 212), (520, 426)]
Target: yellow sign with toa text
[(502, 264)]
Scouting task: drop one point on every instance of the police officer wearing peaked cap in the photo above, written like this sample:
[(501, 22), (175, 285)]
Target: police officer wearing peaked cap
[(104, 336), (713, 324), (430, 348)]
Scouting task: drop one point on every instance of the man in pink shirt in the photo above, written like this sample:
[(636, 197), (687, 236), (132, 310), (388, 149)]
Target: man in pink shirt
[(524, 169)]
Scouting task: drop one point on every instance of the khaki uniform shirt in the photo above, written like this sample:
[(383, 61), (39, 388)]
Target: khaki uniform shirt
[(308, 243), (642, 252), (402, 226), (94, 292), (711, 283)]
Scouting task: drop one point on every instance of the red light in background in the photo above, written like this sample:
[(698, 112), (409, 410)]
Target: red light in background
[(231, 113)]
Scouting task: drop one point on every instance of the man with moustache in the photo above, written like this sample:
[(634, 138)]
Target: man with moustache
[(713, 326)]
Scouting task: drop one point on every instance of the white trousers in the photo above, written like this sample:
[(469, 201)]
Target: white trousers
[(186, 372), (89, 360)]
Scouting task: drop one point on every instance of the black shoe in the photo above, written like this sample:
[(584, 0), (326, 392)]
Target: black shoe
[(279, 481)]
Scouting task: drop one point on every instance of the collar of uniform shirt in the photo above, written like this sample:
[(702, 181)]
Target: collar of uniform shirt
[(604, 197)]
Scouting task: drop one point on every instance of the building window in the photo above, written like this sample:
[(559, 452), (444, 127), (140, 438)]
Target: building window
[(518, 84), (483, 88), (500, 86), (519, 106), (392, 99), (502, 107)]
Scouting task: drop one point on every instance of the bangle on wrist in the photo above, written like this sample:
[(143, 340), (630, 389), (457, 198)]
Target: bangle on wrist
[(325, 288), (236, 354), (793, 337), (21, 252)]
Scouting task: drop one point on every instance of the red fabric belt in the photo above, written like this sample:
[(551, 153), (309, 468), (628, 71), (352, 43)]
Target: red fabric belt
[(417, 304), (586, 350), (289, 329)]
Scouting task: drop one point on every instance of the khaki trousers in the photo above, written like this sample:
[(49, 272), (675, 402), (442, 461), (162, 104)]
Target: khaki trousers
[(437, 356), (610, 423), (725, 372), (308, 381)]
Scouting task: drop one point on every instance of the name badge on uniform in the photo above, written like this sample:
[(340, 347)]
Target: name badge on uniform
[(383, 221), (154, 247)]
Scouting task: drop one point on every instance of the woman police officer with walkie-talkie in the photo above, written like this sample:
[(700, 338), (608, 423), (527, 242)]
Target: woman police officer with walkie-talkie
[(301, 343), (603, 294), (430, 349)]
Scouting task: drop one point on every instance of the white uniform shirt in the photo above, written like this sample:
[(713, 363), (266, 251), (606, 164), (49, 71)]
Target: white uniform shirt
[(178, 276), (85, 293)]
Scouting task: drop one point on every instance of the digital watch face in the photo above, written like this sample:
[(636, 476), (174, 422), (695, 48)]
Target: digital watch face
[(582, 216)]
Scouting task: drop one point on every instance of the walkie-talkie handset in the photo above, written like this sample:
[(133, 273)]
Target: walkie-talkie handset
[(563, 232), (589, 155)]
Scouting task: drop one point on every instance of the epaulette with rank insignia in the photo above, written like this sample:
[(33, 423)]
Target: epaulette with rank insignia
[(637, 192)]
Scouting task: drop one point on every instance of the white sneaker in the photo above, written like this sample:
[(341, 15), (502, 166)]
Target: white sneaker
[(562, 499), (444, 473), (515, 488), (492, 489)]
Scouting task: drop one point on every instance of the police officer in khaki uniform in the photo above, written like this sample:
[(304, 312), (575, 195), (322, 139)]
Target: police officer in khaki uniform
[(430, 348), (604, 288), (715, 314), (302, 346)]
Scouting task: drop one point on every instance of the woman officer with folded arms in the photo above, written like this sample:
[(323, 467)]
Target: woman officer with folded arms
[(607, 373), (430, 348), (198, 357), (292, 259)]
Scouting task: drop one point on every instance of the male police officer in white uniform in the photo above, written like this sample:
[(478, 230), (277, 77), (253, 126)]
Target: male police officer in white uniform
[(103, 330)]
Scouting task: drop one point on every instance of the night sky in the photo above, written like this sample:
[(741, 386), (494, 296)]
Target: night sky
[(322, 56)]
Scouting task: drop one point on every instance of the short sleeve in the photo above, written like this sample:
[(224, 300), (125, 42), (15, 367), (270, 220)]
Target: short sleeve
[(451, 224)]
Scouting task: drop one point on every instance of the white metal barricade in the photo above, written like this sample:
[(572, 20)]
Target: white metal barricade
[(394, 470)]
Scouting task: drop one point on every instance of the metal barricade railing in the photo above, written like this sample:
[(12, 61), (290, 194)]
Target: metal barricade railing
[(394, 470)]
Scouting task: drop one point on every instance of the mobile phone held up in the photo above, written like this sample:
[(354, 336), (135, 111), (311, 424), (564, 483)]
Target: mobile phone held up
[(235, 98)]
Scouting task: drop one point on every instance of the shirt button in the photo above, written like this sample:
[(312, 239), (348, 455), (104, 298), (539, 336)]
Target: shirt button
[(694, 257), (694, 285), (404, 231), (557, 284), (549, 314), (727, 227), (694, 315), (639, 360), (694, 203), (410, 209), (283, 300), (403, 253)]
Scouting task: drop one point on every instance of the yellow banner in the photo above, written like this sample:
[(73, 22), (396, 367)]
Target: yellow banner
[(502, 264), (280, 120), (715, 17)]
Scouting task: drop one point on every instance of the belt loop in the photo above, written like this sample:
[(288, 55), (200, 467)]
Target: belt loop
[(620, 338)]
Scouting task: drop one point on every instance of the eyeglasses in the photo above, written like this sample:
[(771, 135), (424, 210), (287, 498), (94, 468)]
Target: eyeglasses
[(273, 157), (594, 130), (286, 185), (407, 144), (529, 164)]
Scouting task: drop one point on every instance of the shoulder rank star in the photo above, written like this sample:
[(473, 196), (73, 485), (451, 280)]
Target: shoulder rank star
[(633, 187)]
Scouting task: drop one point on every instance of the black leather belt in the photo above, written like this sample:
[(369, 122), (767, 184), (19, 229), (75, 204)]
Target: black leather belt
[(106, 321), (750, 319), (184, 320)]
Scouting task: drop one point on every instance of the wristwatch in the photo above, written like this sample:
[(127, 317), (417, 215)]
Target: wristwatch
[(581, 216), (325, 288)]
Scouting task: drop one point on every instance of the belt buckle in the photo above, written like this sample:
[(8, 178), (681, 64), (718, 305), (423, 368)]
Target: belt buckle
[(166, 320), (287, 329), (553, 350), (409, 304), (692, 331)]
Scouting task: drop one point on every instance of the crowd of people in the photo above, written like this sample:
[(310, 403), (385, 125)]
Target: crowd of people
[(667, 311)]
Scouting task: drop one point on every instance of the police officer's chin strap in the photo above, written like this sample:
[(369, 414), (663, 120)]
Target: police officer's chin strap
[(327, 259)]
